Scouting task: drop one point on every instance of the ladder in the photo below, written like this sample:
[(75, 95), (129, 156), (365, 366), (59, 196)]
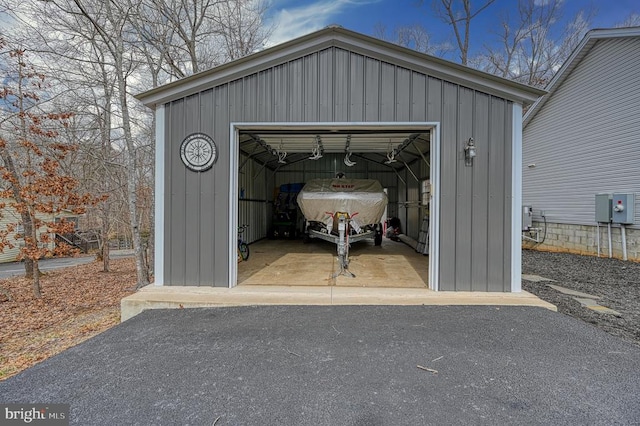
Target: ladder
[(423, 236)]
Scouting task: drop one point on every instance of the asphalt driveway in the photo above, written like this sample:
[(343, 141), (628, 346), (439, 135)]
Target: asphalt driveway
[(341, 365)]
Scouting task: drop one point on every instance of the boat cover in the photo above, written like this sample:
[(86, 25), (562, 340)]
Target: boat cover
[(363, 199)]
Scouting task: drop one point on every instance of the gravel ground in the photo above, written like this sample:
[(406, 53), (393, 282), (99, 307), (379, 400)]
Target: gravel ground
[(616, 282)]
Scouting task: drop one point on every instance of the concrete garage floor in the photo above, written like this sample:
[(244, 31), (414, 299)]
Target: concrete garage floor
[(293, 262), (289, 272)]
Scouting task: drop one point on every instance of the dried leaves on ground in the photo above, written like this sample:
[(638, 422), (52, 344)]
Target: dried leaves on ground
[(77, 303)]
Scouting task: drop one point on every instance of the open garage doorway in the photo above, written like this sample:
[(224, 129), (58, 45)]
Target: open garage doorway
[(273, 162)]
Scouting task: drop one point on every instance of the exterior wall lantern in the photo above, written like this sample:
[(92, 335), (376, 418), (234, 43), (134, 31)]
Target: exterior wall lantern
[(469, 152)]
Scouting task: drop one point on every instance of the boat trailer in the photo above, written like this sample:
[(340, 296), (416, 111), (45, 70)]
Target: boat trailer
[(343, 241)]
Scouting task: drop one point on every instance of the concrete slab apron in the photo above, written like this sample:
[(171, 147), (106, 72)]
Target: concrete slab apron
[(163, 297)]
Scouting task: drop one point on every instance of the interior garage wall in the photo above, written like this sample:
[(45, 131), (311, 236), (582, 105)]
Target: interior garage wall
[(336, 85), (255, 198)]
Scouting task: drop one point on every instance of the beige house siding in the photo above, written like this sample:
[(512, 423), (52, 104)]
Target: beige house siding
[(8, 216)]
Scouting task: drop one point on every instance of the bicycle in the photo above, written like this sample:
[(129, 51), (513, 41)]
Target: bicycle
[(243, 247)]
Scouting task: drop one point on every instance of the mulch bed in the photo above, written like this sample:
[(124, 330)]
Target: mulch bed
[(616, 282)]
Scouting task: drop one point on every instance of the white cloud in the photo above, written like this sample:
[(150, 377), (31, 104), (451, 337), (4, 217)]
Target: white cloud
[(292, 22)]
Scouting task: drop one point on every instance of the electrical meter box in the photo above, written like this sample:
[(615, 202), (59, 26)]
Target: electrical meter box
[(603, 208), (623, 208), (527, 218)]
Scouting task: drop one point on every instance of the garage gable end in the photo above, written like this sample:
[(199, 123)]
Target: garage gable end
[(336, 76)]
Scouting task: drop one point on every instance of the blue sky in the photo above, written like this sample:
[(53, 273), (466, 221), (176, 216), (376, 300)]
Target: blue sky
[(298, 17)]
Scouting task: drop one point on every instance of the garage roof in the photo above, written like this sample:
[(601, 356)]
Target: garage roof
[(335, 36)]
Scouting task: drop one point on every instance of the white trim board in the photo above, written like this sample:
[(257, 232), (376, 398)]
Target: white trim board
[(434, 210), (431, 127), (516, 199), (159, 260)]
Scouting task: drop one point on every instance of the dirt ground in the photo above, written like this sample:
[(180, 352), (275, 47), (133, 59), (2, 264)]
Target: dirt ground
[(78, 303), (616, 282)]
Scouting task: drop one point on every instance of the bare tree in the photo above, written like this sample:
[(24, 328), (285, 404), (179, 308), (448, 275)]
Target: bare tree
[(100, 50), (633, 20), (531, 48), (31, 150), (191, 36), (241, 27), (414, 37), (187, 38), (69, 48), (459, 14), (109, 20)]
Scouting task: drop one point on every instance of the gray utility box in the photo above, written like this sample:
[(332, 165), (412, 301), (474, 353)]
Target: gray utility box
[(527, 218), (603, 208), (623, 208)]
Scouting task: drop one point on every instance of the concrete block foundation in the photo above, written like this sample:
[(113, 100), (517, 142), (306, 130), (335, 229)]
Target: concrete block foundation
[(583, 239)]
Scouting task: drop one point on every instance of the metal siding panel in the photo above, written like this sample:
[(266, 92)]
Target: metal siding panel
[(221, 188), (250, 98), (340, 88), (265, 95), (356, 88), (464, 191), (296, 94), (497, 188), (259, 185), (326, 81), (207, 204), (169, 193), (392, 207), (311, 85), (508, 151), (588, 128), (176, 216), (418, 97), (236, 100), (281, 92), (434, 97), (448, 175), (403, 94), (387, 91), (371, 89), (480, 207), (192, 193)]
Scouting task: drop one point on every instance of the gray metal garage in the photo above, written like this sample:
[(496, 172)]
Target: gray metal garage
[(443, 139)]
